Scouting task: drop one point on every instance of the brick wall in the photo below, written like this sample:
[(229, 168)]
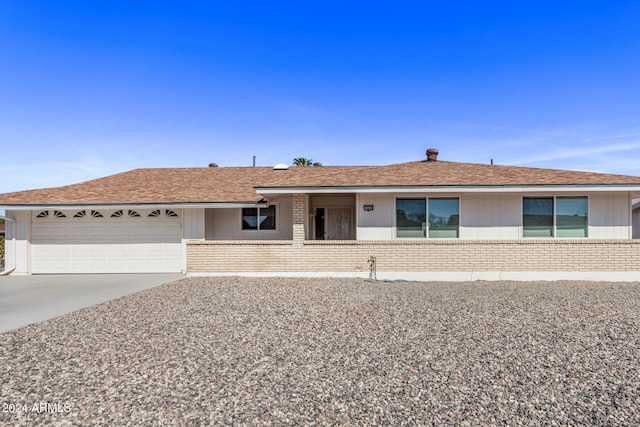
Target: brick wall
[(298, 219), (413, 256)]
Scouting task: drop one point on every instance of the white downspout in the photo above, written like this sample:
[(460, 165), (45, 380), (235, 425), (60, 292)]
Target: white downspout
[(15, 259)]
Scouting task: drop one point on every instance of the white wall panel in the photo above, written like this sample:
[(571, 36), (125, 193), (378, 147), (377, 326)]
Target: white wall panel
[(490, 216), (379, 223), (609, 216), (17, 252), (194, 224)]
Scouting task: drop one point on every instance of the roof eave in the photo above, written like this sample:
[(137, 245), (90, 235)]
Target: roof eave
[(564, 188), (38, 206)]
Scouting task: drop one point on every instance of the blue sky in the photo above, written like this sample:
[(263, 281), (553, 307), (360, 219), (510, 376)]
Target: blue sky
[(91, 88)]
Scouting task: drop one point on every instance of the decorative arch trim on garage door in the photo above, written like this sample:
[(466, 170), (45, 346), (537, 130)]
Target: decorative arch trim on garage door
[(131, 213)]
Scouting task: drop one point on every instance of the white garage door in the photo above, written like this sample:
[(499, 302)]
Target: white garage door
[(101, 241)]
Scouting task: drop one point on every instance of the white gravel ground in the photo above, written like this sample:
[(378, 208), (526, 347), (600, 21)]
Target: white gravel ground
[(238, 351)]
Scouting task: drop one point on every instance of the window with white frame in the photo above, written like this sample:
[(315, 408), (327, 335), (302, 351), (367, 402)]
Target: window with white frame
[(411, 218), (561, 216), (444, 218), (435, 218), (259, 218)]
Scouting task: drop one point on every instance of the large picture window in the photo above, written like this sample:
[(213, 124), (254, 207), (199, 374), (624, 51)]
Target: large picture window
[(555, 217), (444, 218), (537, 217), (435, 218), (411, 217), (259, 218), (572, 217)]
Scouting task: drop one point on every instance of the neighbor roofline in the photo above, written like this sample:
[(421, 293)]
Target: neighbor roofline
[(498, 188)]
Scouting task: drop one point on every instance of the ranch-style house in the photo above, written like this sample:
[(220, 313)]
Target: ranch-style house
[(422, 220)]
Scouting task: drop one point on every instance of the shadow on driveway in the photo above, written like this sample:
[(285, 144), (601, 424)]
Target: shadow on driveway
[(29, 299)]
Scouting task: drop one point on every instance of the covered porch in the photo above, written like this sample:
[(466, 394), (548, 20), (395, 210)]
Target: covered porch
[(289, 217)]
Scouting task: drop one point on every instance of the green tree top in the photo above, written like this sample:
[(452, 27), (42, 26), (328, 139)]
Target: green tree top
[(302, 161)]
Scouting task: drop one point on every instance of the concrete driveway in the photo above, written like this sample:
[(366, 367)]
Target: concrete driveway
[(29, 299)]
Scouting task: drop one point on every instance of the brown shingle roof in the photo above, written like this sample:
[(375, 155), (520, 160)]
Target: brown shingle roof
[(441, 173), (237, 184)]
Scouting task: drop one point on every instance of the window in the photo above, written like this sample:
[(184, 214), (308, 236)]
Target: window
[(411, 217), (259, 218), (572, 217), (555, 217), (537, 217), (444, 218), (441, 222)]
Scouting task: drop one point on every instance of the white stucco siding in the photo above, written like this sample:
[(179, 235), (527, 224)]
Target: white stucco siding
[(226, 224), (610, 215)]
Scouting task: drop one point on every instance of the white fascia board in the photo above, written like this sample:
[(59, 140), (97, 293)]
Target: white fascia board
[(132, 206), (452, 189)]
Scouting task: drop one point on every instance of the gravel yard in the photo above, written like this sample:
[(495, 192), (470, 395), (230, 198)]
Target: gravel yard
[(216, 351)]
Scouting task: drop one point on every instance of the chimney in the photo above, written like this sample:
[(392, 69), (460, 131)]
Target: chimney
[(213, 165), (432, 154)]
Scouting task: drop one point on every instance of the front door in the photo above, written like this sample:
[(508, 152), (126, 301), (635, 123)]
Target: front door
[(339, 224)]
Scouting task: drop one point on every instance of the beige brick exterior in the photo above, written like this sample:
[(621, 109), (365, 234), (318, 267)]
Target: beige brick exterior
[(298, 219), (414, 256)]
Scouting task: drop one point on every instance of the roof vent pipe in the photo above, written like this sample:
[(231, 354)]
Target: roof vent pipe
[(213, 165), (432, 155), (317, 164)]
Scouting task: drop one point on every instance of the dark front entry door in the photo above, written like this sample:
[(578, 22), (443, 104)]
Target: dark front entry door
[(339, 224)]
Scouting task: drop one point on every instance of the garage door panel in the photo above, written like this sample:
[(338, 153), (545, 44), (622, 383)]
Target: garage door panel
[(80, 265), (104, 245), (41, 231), (99, 231), (154, 230), (79, 231), (118, 232), (98, 251), (60, 231), (99, 264), (118, 264)]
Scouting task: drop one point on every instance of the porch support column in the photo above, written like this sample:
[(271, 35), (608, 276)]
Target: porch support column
[(298, 219)]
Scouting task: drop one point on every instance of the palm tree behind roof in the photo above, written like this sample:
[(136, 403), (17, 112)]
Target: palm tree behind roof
[(302, 161)]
